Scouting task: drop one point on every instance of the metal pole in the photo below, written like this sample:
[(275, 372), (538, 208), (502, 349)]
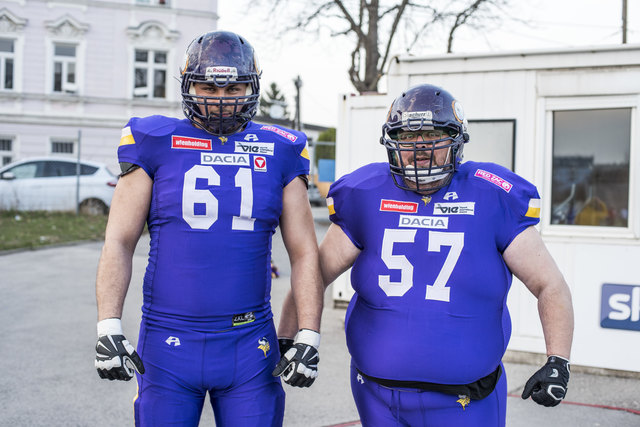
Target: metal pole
[(624, 21), (78, 174)]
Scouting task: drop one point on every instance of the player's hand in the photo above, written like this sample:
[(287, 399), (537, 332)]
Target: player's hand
[(548, 386), (116, 359), (298, 366), (284, 344)]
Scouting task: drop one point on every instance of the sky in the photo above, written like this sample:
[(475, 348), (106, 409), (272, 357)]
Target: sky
[(322, 61)]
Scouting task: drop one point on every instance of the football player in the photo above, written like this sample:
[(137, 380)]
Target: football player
[(212, 188), (433, 243)]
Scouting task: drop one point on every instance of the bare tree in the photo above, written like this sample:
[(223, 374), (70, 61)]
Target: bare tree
[(374, 24)]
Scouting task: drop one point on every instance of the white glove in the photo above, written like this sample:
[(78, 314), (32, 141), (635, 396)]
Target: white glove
[(116, 359), (299, 365)]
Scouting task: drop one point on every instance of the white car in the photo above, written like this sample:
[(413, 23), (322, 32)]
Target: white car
[(50, 183)]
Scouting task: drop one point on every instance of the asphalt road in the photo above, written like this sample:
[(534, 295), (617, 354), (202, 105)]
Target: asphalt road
[(47, 378)]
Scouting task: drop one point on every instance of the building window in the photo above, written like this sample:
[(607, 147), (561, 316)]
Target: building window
[(590, 177), (7, 60), (62, 147), (491, 141), (6, 150), (64, 68), (150, 74)]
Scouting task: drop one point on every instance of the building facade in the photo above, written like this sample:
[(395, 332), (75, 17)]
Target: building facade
[(72, 72)]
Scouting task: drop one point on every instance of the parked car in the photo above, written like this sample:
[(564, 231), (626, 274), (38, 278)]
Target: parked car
[(49, 183)]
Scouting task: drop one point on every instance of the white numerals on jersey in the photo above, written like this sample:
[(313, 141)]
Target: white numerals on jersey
[(191, 195), (439, 290), (396, 262)]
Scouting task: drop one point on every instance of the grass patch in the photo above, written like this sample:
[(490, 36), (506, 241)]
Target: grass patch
[(31, 230)]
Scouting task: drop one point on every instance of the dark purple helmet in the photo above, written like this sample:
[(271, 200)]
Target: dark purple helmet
[(435, 113), (220, 58)]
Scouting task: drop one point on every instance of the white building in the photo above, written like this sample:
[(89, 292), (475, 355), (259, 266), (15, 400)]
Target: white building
[(71, 68), (566, 120)]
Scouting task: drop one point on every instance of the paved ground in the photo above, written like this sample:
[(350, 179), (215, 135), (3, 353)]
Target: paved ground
[(47, 307)]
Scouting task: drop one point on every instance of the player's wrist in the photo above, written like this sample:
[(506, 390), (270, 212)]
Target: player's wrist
[(308, 337), (553, 358), (112, 326)]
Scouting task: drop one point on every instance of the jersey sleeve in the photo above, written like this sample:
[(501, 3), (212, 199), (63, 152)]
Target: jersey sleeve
[(299, 159), (130, 149), (520, 207), (341, 205)]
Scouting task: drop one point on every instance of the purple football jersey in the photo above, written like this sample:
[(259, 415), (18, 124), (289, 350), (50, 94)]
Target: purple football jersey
[(431, 284), (215, 205)]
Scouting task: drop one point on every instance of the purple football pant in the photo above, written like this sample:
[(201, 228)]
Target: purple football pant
[(380, 406), (234, 367)]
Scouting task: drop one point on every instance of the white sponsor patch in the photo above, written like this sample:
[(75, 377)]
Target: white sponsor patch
[(461, 208), (212, 73), (262, 148), (415, 221), (417, 115), (225, 159)]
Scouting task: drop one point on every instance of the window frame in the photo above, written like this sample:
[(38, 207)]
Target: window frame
[(150, 66), (4, 57), (7, 153), (77, 87), (551, 105), (73, 142)]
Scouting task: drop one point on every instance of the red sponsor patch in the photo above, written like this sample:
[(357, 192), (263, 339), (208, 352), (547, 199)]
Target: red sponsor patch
[(259, 163), (494, 179), (396, 206), (291, 137), (190, 143)]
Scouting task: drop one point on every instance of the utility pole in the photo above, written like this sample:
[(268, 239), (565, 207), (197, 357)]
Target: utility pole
[(624, 21), (298, 122)]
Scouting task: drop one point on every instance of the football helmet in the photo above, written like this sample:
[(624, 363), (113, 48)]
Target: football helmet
[(422, 121), (220, 58)]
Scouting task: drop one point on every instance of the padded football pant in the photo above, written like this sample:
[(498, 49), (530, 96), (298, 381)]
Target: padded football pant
[(379, 406), (233, 366)]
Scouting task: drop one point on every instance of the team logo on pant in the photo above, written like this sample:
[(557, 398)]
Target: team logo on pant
[(264, 345), (175, 341), (463, 401)]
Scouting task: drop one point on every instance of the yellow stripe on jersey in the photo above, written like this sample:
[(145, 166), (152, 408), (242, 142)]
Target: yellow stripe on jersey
[(126, 138), (534, 208), (305, 154), (332, 209)]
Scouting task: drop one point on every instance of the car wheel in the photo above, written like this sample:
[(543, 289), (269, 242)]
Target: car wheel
[(93, 207)]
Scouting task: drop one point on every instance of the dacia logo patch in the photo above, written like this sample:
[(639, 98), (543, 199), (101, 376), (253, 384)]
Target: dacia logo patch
[(416, 221), (263, 344), (229, 159)]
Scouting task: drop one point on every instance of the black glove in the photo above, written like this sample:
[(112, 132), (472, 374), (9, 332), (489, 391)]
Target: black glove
[(298, 365), (548, 386), (116, 359), (284, 344)]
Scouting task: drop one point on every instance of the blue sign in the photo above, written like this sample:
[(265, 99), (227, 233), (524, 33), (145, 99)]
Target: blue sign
[(620, 307)]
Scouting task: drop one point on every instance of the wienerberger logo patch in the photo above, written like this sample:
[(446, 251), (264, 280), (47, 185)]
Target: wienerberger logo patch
[(397, 206), (189, 143), (494, 179), (291, 137)]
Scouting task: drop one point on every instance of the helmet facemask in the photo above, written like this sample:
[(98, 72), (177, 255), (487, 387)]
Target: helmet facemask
[(424, 136), (221, 59)]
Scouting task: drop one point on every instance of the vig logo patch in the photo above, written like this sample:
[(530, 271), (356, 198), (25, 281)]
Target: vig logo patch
[(620, 307)]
